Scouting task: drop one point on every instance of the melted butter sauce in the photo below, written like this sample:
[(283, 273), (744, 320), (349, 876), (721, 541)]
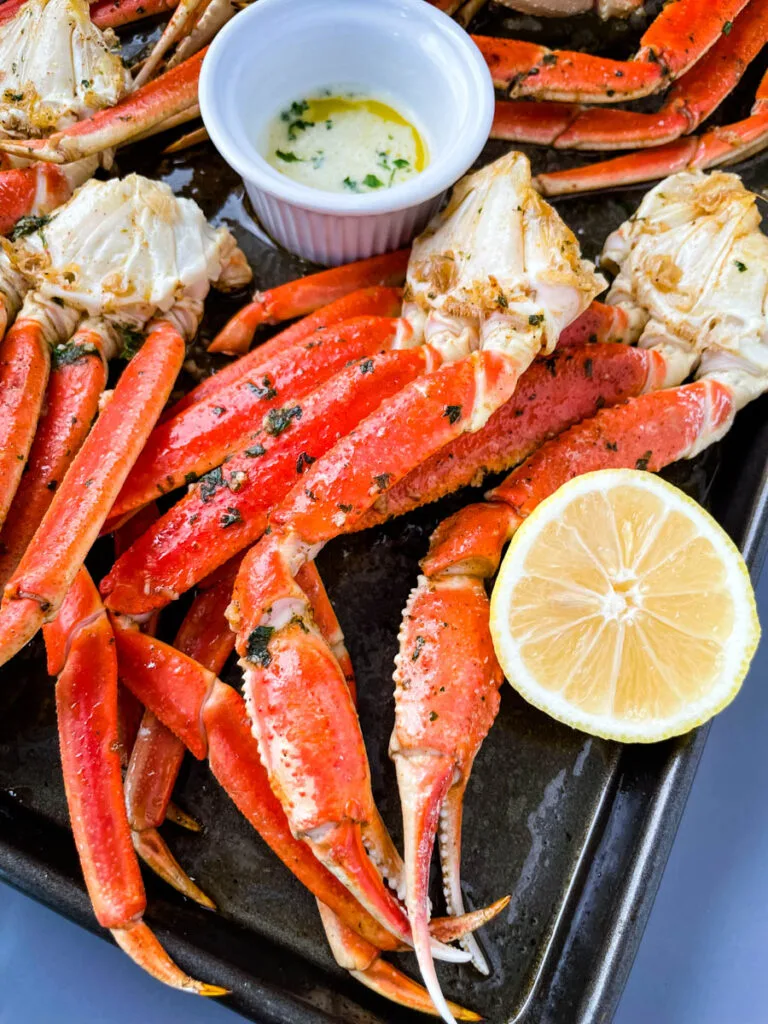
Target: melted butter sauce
[(345, 143)]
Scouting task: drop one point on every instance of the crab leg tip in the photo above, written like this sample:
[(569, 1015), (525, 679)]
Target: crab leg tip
[(181, 818), (143, 947), (154, 852)]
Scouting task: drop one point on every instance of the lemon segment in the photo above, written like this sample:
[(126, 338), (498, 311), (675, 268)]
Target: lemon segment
[(623, 609)]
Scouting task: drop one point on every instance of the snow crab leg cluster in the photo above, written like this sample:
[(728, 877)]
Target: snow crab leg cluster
[(68, 123), (560, 98), (283, 647), (496, 356)]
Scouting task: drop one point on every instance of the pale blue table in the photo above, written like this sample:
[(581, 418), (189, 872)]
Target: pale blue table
[(702, 960)]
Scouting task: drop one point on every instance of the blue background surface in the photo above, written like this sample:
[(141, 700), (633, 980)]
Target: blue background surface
[(702, 960)]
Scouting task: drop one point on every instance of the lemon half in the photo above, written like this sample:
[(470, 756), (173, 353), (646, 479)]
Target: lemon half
[(623, 609)]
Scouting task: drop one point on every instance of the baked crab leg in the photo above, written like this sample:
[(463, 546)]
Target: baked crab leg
[(217, 417), (691, 228), (227, 511), (81, 653), (543, 8), (293, 683), (351, 950), (718, 147), (679, 37), (691, 100), (90, 78), (306, 295), (570, 385), (170, 256), (209, 717)]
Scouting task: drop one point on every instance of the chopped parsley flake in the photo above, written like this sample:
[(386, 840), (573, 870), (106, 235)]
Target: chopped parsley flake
[(256, 648), (278, 420)]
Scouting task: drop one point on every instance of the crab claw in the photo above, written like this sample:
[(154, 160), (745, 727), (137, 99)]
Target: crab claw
[(364, 963), (447, 681), (327, 800)]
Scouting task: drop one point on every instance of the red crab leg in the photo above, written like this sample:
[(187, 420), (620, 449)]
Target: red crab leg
[(180, 23), (116, 13), (691, 100), (278, 640), (553, 394), (350, 951), (363, 961), (24, 367), (129, 710), (210, 718), (291, 678), (679, 37), (375, 301), (724, 145), (158, 754), (145, 780), (188, 542), (75, 385), (305, 295), (155, 102), (227, 510), (28, 191), (447, 675), (36, 590), (81, 652), (201, 436)]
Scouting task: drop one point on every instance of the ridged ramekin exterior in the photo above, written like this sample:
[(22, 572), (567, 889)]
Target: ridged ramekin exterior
[(332, 239)]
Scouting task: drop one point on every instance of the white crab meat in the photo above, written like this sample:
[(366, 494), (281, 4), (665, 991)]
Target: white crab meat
[(497, 269), (126, 250), (693, 277), (55, 68)]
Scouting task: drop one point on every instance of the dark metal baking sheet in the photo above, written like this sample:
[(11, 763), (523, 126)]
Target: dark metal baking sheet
[(576, 829)]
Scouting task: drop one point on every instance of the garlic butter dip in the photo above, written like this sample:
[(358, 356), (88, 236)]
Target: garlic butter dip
[(345, 142)]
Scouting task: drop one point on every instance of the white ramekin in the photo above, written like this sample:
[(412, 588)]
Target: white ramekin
[(277, 51)]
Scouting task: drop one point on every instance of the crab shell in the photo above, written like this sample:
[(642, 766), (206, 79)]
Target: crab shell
[(497, 268), (693, 277), (56, 68), (127, 250)]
